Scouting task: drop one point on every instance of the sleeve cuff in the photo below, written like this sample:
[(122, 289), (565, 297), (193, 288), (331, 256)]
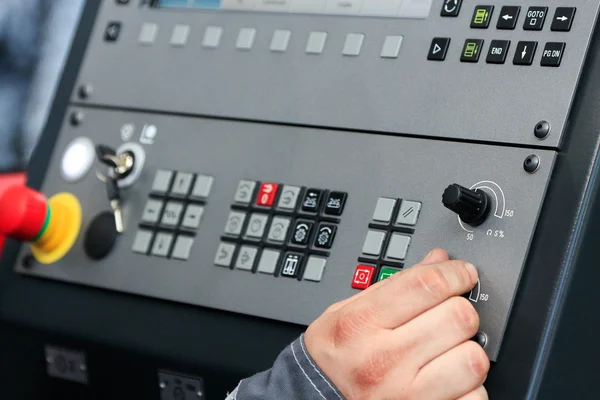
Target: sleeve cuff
[(294, 376)]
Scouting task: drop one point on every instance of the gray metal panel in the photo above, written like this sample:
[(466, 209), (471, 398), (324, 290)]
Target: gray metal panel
[(407, 95), (366, 166)]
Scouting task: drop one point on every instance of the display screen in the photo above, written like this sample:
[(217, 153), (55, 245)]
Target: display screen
[(380, 8)]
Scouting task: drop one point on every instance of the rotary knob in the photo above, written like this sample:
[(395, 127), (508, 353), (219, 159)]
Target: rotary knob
[(472, 206)]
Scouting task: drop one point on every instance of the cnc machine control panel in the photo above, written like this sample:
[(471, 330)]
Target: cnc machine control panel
[(272, 158)]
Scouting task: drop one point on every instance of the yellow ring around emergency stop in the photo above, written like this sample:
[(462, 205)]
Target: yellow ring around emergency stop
[(62, 231)]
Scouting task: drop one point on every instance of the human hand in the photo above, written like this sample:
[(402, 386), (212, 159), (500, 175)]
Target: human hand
[(405, 338)]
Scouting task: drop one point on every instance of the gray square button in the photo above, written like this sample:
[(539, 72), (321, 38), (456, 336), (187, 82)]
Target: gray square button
[(314, 269), (148, 33), (141, 242), (246, 257), (398, 246), (244, 192), (409, 212), (384, 210), (202, 187), (192, 217), (162, 181), (278, 230), (152, 211), (183, 248), (180, 35), (182, 184), (373, 243), (235, 223), (288, 198), (268, 261), (391, 46), (172, 214), (212, 36), (224, 255), (353, 44), (162, 244), (256, 226), (245, 39), (316, 42), (280, 40)]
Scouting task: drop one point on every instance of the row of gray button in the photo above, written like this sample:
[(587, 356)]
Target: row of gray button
[(407, 215), (267, 263), (257, 223), (163, 242), (180, 184), (397, 248), (170, 214), (287, 200), (280, 40)]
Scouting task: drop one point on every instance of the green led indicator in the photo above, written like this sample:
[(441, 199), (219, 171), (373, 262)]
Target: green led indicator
[(386, 273), (481, 16)]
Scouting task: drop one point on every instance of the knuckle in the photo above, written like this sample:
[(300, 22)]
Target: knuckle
[(347, 326), (433, 280), (465, 315), (479, 363), (374, 369)]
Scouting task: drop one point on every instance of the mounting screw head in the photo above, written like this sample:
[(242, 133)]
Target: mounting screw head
[(542, 130), (531, 163)]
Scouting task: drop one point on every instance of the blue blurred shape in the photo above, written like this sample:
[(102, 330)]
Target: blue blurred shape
[(207, 3)]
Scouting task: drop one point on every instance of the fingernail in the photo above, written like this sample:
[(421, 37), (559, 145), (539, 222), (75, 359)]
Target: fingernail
[(472, 270), (428, 256)]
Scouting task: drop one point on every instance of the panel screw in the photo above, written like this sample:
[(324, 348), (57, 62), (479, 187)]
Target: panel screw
[(82, 368), (28, 261), (481, 339), (85, 91), (162, 385), (542, 130), (76, 118), (531, 163), (199, 394)]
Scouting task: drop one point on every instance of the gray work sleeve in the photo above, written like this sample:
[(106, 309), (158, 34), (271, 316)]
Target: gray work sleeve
[(294, 376)]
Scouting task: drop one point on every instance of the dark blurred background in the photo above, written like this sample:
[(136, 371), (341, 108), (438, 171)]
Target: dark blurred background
[(35, 37)]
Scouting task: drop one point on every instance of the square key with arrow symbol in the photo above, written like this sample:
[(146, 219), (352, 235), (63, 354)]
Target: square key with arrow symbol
[(438, 49), (563, 19), (508, 17), (525, 53)]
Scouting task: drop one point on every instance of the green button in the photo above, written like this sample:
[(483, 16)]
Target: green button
[(471, 50), (482, 16), (386, 272)]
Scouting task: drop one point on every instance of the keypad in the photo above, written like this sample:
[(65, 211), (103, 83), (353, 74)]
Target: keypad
[(173, 214), (388, 239), (281, 229), (506, 19)]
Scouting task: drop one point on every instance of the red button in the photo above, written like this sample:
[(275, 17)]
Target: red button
[(266, 194), (363, 277)]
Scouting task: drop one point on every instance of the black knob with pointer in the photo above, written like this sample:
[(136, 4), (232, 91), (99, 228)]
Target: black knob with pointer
[(472, 206)]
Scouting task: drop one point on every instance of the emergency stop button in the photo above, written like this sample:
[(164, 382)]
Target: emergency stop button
[(498, 51), (50, 226)]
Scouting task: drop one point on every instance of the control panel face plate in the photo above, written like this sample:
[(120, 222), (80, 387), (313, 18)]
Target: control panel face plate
[(351, 72), (365, 167)]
